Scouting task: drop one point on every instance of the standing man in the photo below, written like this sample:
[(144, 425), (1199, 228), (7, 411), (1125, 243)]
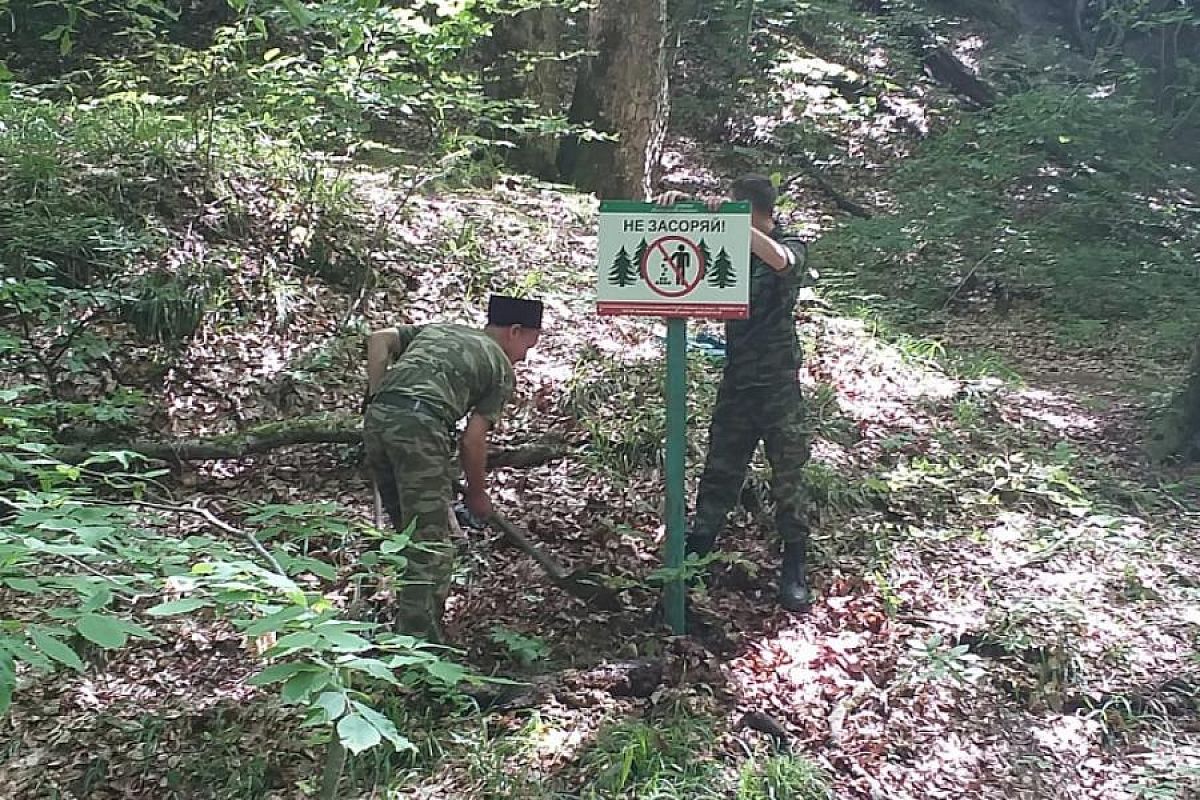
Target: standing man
[(421, 380), (759, 398)]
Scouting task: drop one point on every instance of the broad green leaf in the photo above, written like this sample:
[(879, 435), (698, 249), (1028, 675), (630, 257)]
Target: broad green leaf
[(333, 704), (273, 623), (277, 581), (181, 606), (55, 648), (345, 625), (296, 641), (98, 599), (357, 734), (23, 652), (104, 631), (446, 672), (345, 641), (8, 681), (301, 15), (373, 667), (299, 687), (74, 550), (394, 545), (279, 672), (315, 566), (407, 661), (122, 457), (385, 726)]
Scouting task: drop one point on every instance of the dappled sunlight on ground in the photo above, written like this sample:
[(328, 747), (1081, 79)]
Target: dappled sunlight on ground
[(1052, 409), (993, 617)]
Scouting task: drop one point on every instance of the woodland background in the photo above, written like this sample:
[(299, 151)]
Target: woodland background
[(205, 206)]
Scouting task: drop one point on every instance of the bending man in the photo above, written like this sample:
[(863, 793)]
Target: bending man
[(421, 380)]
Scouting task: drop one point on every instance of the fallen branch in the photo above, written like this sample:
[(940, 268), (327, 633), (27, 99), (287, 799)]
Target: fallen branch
[(840, 200), (317, 429), (943, 66), (964, 282), (196, 507)]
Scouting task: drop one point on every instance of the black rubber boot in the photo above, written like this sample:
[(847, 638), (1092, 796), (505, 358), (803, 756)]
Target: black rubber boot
[(700, 544), (794, 594)]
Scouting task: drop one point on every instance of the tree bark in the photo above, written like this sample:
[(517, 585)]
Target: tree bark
[(1177, 434), (317, 429), (1189, 408), (524, 64), (621, 90)]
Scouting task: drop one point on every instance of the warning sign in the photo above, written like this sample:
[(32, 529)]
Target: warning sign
[(674, 261)]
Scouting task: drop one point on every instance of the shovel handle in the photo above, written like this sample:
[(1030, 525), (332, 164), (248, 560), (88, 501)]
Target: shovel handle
[(517, 537), (521, 540)]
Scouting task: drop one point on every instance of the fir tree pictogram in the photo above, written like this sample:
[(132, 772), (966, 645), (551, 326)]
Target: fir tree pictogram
[(623, 272), (722, 275)]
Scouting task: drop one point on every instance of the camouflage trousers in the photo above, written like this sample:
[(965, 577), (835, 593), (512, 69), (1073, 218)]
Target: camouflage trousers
[(410, 456), (741, 419)]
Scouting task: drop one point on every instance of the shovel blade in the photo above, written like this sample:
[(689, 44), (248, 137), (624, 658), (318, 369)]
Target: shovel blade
[(590, 587)]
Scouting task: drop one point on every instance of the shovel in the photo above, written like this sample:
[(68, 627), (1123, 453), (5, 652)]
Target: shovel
[(582, 583)]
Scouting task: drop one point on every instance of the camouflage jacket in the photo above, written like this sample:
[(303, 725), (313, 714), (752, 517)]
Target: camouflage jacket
[(452, 368), (762, 350)]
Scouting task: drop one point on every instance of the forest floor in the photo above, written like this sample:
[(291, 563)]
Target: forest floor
[(1008, 595)]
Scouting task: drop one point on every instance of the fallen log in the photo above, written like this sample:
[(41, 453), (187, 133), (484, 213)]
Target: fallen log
[(315, 429), (945, 67), (839, 199), (638, 678)]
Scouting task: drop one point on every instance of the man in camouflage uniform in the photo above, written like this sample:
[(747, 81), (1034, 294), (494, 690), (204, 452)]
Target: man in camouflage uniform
[(759, 398), (422, 379)]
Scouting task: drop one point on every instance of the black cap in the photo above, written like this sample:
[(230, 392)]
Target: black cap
[(504, 311)]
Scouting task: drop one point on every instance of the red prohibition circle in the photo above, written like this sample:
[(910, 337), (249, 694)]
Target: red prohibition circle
[(657, 244)]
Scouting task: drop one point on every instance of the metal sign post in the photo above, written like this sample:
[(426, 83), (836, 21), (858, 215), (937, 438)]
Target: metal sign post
[(676, 444), (674, 262)]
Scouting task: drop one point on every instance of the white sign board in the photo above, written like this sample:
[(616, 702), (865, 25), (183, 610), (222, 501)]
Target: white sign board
[(674, 261)]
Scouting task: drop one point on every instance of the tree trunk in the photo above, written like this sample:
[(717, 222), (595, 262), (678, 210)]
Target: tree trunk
[(1189, 406), (524, 64), (1178, 433), (621, 90)]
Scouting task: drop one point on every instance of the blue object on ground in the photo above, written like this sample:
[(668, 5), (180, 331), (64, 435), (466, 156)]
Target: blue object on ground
[(710, 344)]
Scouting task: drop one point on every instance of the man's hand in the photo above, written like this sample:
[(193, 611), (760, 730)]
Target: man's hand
[(479, 503), (671, 198)]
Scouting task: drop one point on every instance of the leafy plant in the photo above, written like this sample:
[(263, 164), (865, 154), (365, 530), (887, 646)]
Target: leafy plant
[(525, 649), (620, 405), (783, 777), (663, 759), (167, 307), (932, 659), (828, 489), (84, 562)]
